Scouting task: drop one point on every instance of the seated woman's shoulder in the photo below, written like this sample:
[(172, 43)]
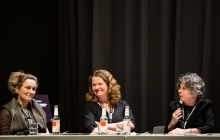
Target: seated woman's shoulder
[(122, 102), (207, 102)]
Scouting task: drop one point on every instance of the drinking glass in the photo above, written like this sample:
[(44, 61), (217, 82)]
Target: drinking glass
[(33, 128), (118, 128)]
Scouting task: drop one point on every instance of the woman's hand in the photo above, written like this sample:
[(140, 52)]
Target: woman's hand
[(178, 131), (114, 126), (96, 123), (47, 131), (119, 125), (176, 116)]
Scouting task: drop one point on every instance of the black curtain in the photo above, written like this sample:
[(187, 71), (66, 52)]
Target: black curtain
[(28, 42), (145, 44)]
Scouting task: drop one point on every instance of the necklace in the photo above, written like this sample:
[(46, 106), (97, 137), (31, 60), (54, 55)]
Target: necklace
[(187, 113), (188, 110), (184, 121), (27, 113)]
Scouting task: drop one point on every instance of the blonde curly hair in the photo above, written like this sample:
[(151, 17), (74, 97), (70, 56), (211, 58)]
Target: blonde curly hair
[(16, 79), (114, 93)]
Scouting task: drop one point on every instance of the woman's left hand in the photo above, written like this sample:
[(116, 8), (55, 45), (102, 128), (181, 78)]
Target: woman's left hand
[(178, 131)]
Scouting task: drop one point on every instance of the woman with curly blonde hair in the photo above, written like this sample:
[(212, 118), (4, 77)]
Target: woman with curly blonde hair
[(16, 115), (104, 91)]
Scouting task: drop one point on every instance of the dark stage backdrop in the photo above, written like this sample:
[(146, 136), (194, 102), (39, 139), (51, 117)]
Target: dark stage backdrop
[(28, 42), (145, 44)]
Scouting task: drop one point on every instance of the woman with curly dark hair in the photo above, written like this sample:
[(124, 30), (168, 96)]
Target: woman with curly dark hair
[(104, 91)]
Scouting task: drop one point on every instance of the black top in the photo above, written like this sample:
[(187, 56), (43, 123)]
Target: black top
[(92, 112), (202, 117)]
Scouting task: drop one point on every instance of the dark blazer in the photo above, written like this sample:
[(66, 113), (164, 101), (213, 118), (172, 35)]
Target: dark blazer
[(92, 112), (202, 117)]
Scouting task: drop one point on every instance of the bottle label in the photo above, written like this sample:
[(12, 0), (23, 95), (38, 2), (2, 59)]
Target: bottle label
[(127, 126), (103, 123), (103, 128), (56, 126), (126, 112)]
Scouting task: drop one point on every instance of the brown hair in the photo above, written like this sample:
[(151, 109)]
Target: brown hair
[(114, 93), (16, 79)]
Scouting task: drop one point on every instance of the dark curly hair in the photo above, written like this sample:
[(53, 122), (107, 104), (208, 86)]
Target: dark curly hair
[(114, 93)]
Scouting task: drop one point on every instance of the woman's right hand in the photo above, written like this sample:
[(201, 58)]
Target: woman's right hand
[(119, 125), (175, 118), (96, 123), (176, 115)]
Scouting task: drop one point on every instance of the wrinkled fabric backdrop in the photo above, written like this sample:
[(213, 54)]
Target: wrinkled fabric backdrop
[(145, 44)]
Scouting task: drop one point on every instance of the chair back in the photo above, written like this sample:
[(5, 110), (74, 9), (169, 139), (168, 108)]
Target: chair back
[(158, 129)]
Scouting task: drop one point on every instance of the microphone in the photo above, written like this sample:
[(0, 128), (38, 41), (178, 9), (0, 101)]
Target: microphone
[(179, 104)]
